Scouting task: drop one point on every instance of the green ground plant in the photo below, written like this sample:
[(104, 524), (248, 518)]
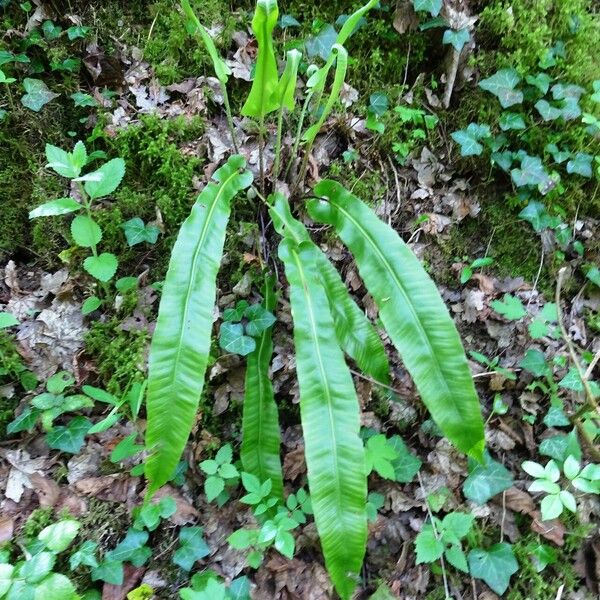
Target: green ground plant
[(326, 320)]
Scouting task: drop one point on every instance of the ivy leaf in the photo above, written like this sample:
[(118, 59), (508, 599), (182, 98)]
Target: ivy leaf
[(570, 109), (106, 179), (288, 21), (541, 81), (131, 549), (8, 320), (562, 91), (109, 571), (37, 94), (456, 38), (469, 146), (102, 267), (581, 164), (69, 438), (322, 43), (259, 319), (593, 275), (378, 103), (510, 307), (136, 232), (433, 7), (83, 100), (511, 120), (407, 464), (502, 84), (85, 555), (547, 111), (85, 231), (560, 446), (536, 214), (534, 361), (192, 548), (486, 480), (495, 566), (232, 339), (533, 173)]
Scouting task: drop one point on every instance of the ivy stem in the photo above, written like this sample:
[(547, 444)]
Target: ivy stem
[(229, 117)]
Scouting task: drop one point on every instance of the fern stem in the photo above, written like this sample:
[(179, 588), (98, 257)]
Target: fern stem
[(229, 117), (298, 133), (278, 145)]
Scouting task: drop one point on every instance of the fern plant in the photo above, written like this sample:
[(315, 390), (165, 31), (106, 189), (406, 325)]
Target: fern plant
[(327, 322)]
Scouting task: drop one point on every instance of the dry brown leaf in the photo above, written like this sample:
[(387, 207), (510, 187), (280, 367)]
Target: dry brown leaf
[(552, 530), (185, 512), (7, 528)]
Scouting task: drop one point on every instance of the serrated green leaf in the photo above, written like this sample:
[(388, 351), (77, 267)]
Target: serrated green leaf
[(85, 231), (412, 312), (58, 536), (181, 342), (109, 177), (103, 267), (509, 307), (429, 548), (62, 206), (534, 361)]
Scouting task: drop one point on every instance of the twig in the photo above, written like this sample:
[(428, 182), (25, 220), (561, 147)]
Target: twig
[(437, 537), (591, 403), (451, 77)]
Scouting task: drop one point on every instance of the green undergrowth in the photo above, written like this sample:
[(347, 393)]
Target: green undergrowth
[(120, 355)]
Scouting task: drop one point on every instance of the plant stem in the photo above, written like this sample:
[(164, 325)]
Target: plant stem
[(229, 117), (261, 153), (278, 145), (298, 134)]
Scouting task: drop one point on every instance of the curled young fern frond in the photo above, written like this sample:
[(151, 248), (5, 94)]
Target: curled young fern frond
[(413, 313), (181, 341), (260, 422), (355, 334), (330, 421)]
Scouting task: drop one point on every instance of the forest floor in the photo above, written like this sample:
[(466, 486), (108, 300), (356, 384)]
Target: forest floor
[(515, 256)]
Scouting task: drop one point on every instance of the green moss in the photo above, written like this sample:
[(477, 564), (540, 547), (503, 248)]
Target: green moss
[(120, 355), (516, 250), (518, 34), (528, 583), (37, 520)]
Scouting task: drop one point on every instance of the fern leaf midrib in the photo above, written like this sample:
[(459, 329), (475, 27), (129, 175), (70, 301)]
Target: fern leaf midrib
[(261, 468), (326, 389), (199, 245), (423, 332)]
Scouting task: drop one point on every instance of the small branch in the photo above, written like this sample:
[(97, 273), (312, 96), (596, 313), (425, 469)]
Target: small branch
[(451, 77)]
